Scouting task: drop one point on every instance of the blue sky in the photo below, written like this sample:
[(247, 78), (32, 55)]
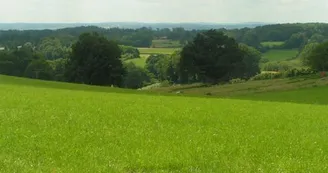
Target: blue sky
[(217, 11)]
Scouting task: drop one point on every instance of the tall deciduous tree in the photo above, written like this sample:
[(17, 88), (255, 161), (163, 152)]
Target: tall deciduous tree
[(52, 49), (136, 77), (96, 61), (250, 64), (317, 59), (211, 57), (306, 52), (39, 69)]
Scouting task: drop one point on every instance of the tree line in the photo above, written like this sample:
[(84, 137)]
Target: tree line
[(292, 35), (212, 57)]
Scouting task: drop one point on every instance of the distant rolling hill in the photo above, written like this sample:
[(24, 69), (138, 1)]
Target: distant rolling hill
[(132, 25)]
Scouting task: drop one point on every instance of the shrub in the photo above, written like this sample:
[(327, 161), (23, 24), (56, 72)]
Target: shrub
[(286, 74), (265, 76), (129, 52), (165, 83), (298, 72), (237, 80), (136, 77), (128, 56), (276, 66), (264, 60)]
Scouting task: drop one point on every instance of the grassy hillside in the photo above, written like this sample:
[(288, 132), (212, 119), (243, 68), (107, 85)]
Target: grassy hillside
[(280, 55), (271, 44), (60, 130), (165, 44), (254, 89), (141, 62), (24, 82), (313, 95), (167, 51)]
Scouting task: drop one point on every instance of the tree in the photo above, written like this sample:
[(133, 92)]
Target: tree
[(250, 64), (15, 62), (317, 59), (211, 57), (276, 66), (7, 65), (58, 67), (152, 64), (135, 77), (51, 48), (164, 67), (172, 70), (251, 38), (297, 40), (129, 52), (317, 38), (96, 61), (21, 58), (39, 69), (306, 51)]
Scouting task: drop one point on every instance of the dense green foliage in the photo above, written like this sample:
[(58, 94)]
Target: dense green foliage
[(58, 67), (139, 37), (39, 69), (22, 62), (211, 57), (129, 52), (285, 44), (52, 48), (276, 66), (292, 35), (316, 56), (250, 63), (307, 50), (164, 67), (95, 61), (165, 43), (214, 57), (287, 73), (136, 77)]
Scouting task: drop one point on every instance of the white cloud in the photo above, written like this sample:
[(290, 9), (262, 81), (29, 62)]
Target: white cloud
[(163, 10)]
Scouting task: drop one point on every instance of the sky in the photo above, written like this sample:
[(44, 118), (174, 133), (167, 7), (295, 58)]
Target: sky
[(158, 11)]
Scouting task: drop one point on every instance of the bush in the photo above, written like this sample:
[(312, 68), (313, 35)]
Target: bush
[(264, 60), (265, 76), (298, 72), (129, 52), (128, 56), (237, 80), (165, 83), (136, 77), (287, 74), (276, 66)]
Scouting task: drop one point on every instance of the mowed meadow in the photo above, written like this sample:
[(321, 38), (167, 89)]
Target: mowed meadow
[(54, 127)]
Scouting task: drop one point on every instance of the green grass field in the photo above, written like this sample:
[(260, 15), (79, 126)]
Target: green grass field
[(56, 127), (167, 51), (271, 44), (166, 44), (314, 95), (140, 62), (280, 55)]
